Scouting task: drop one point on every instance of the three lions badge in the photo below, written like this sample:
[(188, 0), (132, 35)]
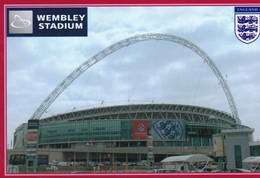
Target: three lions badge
[(247, 24)]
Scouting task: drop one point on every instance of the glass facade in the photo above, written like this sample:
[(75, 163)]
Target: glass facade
[(121, 130), (255, 150), (80, 132), (106, 130), (127, 130)]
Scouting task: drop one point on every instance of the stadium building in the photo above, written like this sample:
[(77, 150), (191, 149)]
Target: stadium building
[(121, 131)]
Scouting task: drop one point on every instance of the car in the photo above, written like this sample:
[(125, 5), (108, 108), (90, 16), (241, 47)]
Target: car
[(100, 164), (83, 164), (51, 168), (142, 163)]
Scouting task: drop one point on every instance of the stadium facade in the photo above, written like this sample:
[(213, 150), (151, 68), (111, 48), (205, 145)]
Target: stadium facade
[(122, 132)]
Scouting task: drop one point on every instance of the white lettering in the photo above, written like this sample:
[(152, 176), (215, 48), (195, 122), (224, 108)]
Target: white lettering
[(48, 17), (53, 26), (79, 26), (41, 26), (63, 17), (75, 17), (60, 26), (69, 18), (47, 25), (41, 17), (81, 17), (55, 18)]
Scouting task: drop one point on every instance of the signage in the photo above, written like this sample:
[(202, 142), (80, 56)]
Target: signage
[(47, 21), (31, 157), (33, 124), (247, 23), (32, 147), (218, 145), (140, 129)]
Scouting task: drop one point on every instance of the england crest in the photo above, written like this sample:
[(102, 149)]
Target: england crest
[(247, 26)]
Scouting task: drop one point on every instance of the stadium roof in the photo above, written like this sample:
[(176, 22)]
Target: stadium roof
[(188, 113)]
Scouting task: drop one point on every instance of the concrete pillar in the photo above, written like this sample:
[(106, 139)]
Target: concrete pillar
[(100, 158), (139, 157)]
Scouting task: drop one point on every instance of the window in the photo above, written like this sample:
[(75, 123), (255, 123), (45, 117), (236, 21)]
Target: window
[(238, 156)]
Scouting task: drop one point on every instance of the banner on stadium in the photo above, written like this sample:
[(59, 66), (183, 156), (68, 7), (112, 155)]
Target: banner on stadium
[(140, 129), (168, 130)]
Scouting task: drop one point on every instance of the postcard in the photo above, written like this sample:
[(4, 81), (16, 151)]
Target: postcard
[(131, 90)]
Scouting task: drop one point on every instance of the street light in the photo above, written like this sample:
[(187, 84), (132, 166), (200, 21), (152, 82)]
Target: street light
[(138, 153), (87, 159)]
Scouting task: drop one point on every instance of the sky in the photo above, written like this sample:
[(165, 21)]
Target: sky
[(145, 72)]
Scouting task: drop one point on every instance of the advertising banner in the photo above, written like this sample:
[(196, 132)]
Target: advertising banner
[(32, 133), (32, 147), (218, 145), (140, 129)]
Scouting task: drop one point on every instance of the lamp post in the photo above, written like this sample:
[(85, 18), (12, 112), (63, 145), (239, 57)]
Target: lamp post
[(138, 153), (87, 155), (150, 156)]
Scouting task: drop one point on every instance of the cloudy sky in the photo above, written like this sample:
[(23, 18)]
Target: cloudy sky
[(145, 72)]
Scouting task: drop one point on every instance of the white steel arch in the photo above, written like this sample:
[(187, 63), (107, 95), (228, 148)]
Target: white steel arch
[(126, 42)]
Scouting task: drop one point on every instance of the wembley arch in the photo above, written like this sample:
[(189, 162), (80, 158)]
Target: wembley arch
[(124, 43)]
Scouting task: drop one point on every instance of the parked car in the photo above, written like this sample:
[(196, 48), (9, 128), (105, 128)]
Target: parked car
[(63, 164), (142, 163), (51, 168), (83, 164)]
